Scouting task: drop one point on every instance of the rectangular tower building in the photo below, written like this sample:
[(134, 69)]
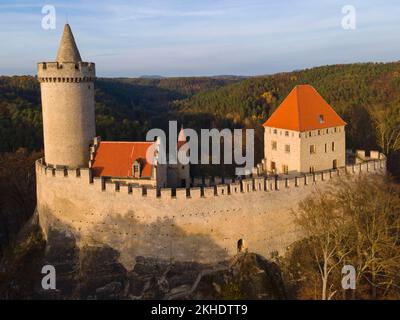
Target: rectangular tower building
[(304, 134)]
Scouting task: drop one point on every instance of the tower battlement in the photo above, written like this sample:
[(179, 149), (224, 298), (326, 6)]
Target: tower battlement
[(66, 71)]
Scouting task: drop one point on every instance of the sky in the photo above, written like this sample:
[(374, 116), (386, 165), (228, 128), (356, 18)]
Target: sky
[(200, 37)]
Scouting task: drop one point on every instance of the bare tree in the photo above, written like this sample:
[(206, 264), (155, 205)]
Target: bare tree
[(387, 122), (322, 226), (357, 222), (372, 207)]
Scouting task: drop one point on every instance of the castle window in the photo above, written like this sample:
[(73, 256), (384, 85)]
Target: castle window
[(275, 131), (327, 130), (313, 149), (326, 147), (335, 129), (312, 169), (287, 148), (309, 134), (274, 145), (333, 146), (321, 118), (286, 133), (273, 166), (319, 132), (285, 169)]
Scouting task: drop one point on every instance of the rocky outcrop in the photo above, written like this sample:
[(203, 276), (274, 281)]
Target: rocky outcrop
[(94, 272)]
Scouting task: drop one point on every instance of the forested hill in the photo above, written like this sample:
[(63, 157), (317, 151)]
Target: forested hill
[(126, 108), (356, 91), (367, 96), (186, 86), (342, 85)]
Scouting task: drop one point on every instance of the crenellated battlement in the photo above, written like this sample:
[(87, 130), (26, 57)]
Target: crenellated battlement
[(206, 188), (201, 223), (66, 72)]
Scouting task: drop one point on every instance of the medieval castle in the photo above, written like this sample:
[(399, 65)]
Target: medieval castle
[(105, 193)]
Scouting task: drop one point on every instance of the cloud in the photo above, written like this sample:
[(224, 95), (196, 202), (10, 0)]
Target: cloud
[(173, 37), (148, 13)]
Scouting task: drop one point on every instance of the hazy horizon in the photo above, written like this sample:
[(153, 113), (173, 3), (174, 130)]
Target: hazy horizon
[(173, 38), (156, 76)]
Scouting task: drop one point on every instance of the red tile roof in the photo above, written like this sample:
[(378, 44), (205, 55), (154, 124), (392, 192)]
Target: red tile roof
[(116, 158), (301, 111)]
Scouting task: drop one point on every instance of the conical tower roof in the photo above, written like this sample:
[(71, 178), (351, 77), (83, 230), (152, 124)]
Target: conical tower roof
[(68, 51)]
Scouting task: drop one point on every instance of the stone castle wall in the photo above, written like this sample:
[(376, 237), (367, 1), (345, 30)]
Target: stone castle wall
[(200, 224)]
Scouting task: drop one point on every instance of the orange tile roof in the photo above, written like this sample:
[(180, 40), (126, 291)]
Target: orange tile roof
[(301, 111), (116, 158)]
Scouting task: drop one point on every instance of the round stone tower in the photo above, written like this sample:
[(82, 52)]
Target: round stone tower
[(67, 92)]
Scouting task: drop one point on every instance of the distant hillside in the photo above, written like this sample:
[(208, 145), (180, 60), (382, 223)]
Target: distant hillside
[(150, 76), (353, 90), (184, 85), (126, 108)]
